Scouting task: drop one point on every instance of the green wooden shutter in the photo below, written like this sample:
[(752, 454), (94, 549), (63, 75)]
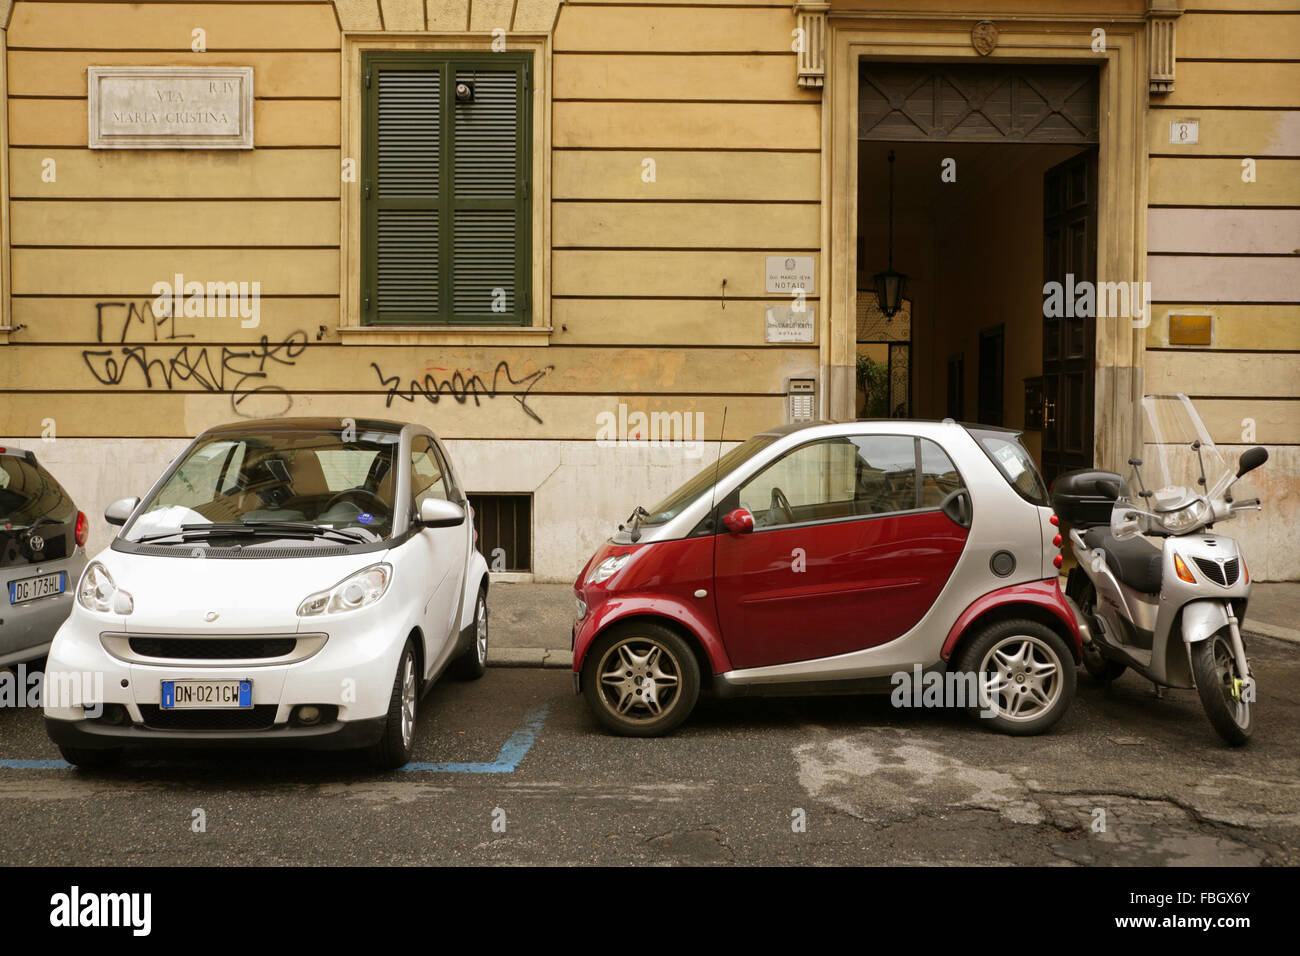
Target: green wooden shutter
[(446, 190)]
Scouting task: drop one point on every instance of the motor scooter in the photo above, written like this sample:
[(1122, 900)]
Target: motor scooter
[(1171, 610)]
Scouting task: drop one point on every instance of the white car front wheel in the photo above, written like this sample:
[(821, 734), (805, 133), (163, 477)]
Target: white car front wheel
[(472, 663), (393, 749)]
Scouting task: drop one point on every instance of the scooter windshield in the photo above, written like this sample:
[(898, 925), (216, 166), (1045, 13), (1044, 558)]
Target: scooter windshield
[(1172, 461)]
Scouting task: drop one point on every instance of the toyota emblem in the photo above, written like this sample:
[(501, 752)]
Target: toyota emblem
[(36, 542)]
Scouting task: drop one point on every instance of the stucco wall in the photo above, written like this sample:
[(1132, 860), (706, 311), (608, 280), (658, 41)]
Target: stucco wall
[(658, 281)]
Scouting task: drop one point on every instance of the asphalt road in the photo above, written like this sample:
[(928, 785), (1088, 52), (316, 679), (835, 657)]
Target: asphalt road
[(517, 772)]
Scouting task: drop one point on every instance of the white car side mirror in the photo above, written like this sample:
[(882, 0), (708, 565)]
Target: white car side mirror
[(120, 510), (440, 513)]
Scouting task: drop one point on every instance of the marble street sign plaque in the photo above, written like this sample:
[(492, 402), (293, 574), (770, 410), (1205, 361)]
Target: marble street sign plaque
[(171, 107)]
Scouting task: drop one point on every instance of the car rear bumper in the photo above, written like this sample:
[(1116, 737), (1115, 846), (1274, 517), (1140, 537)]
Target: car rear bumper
[(28, 628), (336, 735)]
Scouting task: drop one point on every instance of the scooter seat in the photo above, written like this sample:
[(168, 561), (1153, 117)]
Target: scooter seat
[(1135, 561)]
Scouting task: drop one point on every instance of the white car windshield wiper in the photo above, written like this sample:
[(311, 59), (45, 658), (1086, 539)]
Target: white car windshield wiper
[(320, 530), (276, 529)]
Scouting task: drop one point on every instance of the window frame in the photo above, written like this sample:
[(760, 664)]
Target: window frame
[(447, 63), (431, 449), (732, 500)]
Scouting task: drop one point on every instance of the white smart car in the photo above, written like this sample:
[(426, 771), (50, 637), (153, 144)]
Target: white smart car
[(287, 582)]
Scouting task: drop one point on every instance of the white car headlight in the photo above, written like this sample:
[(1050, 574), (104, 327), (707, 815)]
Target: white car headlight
[(98, 592), (607, 568), (365, 587)]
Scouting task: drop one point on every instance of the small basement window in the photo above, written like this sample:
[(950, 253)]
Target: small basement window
[(504, 523)]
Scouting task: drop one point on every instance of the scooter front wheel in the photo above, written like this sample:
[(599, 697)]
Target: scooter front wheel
[(1220, 688)]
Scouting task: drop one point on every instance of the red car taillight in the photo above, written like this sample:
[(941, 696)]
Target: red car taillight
[(82, 531)]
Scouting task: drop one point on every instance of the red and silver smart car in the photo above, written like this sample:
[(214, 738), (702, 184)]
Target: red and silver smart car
[(849, 558)]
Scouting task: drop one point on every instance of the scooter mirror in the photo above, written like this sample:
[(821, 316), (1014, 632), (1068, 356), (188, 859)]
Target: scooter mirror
[(1251, 459)]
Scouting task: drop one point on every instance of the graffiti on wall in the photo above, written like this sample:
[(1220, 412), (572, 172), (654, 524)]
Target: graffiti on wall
[(135, 348), (158, 361), (462, 387)]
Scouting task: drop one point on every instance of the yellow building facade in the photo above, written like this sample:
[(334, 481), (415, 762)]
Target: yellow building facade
[(693, 206)]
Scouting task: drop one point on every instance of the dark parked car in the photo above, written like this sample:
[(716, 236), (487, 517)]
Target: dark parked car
[(42, 554)]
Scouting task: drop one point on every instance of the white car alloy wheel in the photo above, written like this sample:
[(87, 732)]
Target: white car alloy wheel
[(471, 664), (1023, 678), (408, 700), (481, 631)]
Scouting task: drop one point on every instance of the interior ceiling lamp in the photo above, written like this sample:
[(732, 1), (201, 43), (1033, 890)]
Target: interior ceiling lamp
[(890, 285)]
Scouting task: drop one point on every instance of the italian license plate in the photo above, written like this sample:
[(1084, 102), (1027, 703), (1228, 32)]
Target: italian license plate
[(29, 589), (207, 694)]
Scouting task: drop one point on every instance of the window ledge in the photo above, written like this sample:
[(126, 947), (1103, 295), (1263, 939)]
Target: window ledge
[(510, 577), (444, 335)]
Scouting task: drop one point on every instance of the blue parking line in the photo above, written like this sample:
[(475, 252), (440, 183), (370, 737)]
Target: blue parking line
[(512, 751), (34, 765)]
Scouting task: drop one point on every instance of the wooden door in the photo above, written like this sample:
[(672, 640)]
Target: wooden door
[(1069, 341)]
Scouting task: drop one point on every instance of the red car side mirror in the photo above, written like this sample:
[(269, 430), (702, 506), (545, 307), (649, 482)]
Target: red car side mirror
[(739, 521)]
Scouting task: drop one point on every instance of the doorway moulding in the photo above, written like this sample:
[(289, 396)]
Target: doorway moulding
[(1122, 180)]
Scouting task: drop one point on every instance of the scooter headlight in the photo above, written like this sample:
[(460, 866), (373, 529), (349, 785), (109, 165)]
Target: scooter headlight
[(98, 592), (1184, 519), (607, 568), (357, 591)]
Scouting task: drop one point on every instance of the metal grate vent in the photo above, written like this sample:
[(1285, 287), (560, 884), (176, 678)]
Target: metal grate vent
[(1224, 575), (210, 648), (505, 530), (258, 717)]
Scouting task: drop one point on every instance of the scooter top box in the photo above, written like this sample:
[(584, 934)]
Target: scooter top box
[(1084, 498)]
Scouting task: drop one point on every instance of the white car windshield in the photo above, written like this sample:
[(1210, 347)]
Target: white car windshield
[(277, 478)]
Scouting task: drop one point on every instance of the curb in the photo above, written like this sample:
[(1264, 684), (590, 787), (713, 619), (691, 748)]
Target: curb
[(529, 657), (1288, 634), (551, 658)]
